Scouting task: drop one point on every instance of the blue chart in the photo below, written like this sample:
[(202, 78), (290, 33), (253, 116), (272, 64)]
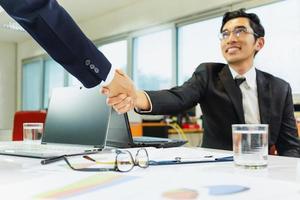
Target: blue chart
[(213, 190), (217, 190)]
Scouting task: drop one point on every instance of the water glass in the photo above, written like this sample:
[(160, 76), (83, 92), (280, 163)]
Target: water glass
[(250, 145), (32, 131)]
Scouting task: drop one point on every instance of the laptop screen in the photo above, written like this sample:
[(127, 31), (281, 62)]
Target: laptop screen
[(77, 116), (119, 135), (119, 130)]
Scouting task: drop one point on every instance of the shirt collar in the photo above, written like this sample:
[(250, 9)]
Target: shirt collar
[(249, 75)]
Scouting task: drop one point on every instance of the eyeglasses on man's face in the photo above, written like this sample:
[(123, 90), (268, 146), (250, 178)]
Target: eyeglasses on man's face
[(123, 161), (237, 32)]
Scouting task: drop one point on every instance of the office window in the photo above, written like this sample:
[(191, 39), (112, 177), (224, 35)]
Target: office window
[(116, 53), (32, 85), (280, 55), (153, 61), (39, 78), (72, 81), (198, 43), (54, 77)]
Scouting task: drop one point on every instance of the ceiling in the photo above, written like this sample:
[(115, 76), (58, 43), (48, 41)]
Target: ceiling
[(80, 10)]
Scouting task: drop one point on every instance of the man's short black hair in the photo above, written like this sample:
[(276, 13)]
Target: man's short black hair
[(254, 21)]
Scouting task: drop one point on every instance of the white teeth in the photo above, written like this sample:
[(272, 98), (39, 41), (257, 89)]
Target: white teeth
[(232, 49)]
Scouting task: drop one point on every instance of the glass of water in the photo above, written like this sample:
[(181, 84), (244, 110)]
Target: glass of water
[(250, 145), (32, 131)]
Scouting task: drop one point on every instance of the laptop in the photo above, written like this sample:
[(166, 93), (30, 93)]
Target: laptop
[(76, 124), (120, 136)]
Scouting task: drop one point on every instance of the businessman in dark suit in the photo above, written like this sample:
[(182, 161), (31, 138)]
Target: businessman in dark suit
[(54, 29), (232, 93)]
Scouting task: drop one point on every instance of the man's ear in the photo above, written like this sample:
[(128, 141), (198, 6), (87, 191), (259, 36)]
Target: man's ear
[(259, 44)]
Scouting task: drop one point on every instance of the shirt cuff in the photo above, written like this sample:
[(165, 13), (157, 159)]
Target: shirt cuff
[(109, 77), (145, 111)]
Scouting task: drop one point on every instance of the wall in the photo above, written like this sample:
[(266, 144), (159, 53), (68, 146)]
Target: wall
[(7, 84)]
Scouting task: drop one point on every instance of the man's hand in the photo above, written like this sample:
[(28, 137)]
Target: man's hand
[(122, 91), (121, 84), (121, 103)]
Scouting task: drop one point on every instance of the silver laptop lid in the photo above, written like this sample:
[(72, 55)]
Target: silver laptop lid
[(77, 115), (119, 133)]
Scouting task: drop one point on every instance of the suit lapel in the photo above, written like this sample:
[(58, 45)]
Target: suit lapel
[(264, 97), (233, 92)]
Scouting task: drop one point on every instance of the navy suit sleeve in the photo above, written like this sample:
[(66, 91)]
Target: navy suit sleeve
[(178, 99), (53, 28)]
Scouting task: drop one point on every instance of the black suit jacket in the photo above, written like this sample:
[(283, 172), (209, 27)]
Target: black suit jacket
[(212, 86), (52, 27)]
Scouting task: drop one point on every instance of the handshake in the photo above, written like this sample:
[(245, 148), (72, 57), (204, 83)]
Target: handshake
[(122, 94)]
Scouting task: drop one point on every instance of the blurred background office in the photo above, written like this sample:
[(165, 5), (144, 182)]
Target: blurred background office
[(158, 43)]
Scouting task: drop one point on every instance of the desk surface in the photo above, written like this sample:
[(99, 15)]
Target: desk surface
[(25, 178)]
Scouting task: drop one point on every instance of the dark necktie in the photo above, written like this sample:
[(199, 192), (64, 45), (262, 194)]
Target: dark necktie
[(239, 95), (239, 81)]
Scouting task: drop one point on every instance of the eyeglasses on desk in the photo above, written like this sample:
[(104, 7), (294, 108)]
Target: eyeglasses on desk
[(123, 161)]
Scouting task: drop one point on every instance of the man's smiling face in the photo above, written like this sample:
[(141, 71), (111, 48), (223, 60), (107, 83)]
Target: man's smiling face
[(242, 47)]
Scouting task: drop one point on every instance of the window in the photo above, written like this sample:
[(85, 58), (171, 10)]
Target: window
[(72, 81), (282, 41), (32, 85), (116, 53), (39, 78), (42, 76), (153, 61), (54, 77), (198, 43)]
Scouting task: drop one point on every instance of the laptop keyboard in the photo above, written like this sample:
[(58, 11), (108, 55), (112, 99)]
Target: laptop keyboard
[(158, 142), (150, 139), (42, 149)]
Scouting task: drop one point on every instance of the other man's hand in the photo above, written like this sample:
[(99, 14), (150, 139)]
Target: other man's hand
[(121, 84), (122, 103), (121, 87)]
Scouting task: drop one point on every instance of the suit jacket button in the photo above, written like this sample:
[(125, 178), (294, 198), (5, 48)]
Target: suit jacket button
[(92, 66), (87, 62), (96, 70)]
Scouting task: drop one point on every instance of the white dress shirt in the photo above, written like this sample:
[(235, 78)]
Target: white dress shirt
[(110, 77), (249, 93)]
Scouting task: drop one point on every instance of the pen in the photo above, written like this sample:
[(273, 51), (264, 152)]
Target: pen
[(51, 160), (89, 158), (226, 158), (58, 158), (180, 159)]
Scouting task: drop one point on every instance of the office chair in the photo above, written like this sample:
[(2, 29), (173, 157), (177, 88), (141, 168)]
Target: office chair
[(26, 117), (272, 150)]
